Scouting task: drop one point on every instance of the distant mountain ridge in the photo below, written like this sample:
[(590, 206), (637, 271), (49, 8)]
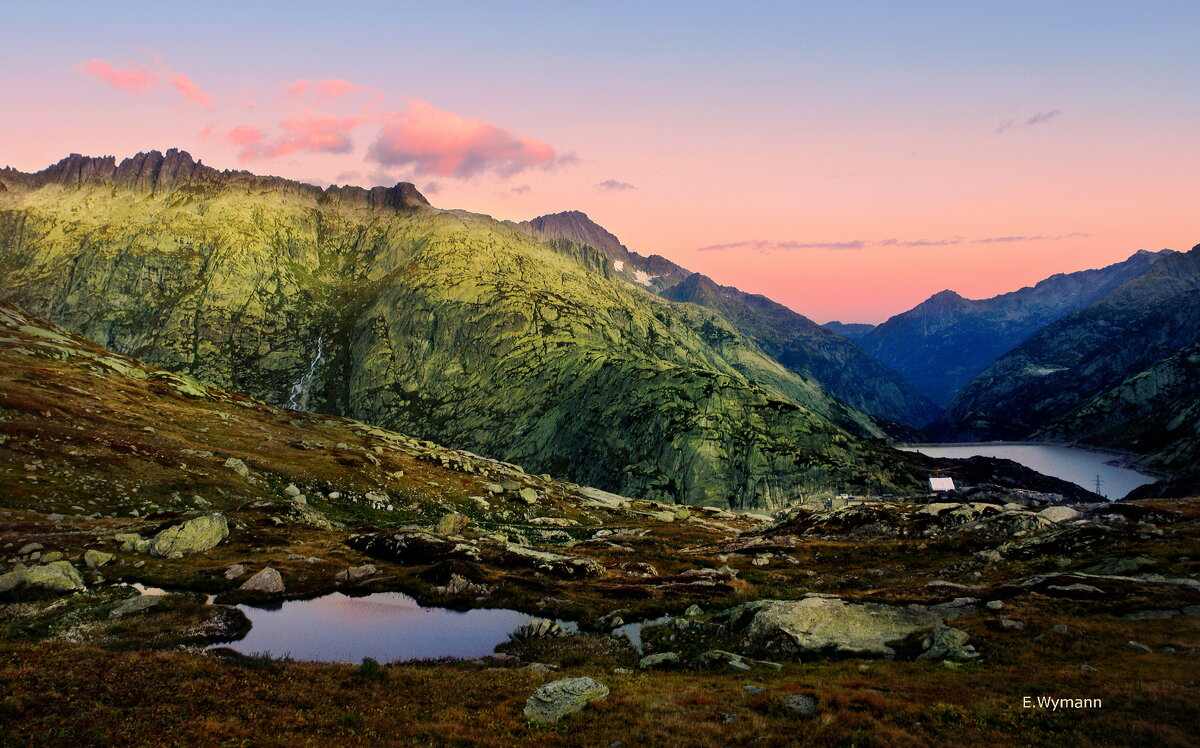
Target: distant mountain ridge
[(801, 345), (1121, 372), (945, 341)]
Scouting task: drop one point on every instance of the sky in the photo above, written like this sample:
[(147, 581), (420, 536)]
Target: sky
[(846, 159)]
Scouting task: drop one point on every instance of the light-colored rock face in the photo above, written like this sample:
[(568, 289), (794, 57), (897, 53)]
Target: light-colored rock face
[(557, 699), (95, 559), (60, 576), (830, 626), (268, 580), (1059, 514), (194, 536)]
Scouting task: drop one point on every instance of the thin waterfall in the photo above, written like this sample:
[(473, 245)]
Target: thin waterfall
[(299, 398)]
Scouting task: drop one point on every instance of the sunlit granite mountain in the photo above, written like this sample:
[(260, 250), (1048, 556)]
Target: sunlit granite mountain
[(450, 326)]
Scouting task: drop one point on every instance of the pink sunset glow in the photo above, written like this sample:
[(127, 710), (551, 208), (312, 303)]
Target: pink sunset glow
[(850, 176)]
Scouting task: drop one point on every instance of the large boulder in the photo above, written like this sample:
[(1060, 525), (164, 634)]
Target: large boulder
[(829, 626), (194, 536), (412, 547), (557, 699), (58, 576)]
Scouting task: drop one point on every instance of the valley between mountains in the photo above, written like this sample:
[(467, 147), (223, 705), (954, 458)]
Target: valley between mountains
[(237, 389)]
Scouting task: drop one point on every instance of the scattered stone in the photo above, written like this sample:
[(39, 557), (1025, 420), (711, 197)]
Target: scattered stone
[(800, 705), (715, 657), (1062, 628), (761, 559), (750, 688), (51, 557), (1059, 514), (94, 559), (528, 495), (355, 573), (995, 605), (662, 659), (267, 580), (29, 549), (292, 490), (1010, 624), (693, 611), (238, 467), (540, 668), (234, 571), (1137, 647), (135, 605), (557, 699), (945, 643), (990, 557), (540, 628), (452, 524), (194, 536), (131, 542), (1087, 668)]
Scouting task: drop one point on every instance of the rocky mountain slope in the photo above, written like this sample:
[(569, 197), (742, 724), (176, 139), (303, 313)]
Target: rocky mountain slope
[(445, 324), (905, 619), (1116, 373), (801, 345), (945, 341)]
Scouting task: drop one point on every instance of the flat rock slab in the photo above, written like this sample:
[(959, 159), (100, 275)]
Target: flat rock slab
[(829, 626), (557, 699)]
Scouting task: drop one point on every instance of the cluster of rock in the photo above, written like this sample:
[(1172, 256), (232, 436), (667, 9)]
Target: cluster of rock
[(417, 546)]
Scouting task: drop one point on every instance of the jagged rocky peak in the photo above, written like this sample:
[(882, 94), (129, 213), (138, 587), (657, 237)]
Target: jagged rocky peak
[(151, 171), (576, 226), (403, 195), (157, 173)]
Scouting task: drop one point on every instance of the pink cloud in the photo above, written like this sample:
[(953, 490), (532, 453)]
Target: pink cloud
[(334, 87), (309, 131), (134, 78), (296, 88), (190, 90), (436, 142)]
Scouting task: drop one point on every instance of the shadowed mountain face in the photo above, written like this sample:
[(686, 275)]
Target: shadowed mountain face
[(944, 342), (1119, 372), (839, 365), (444, 324), (852, 330)]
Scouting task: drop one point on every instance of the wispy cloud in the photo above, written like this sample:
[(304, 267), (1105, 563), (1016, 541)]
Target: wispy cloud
[(137, 79), (521, 190), (1040, 118), (132, 78), (612, 185), (1041, 238), (189, 90), (759, 245)]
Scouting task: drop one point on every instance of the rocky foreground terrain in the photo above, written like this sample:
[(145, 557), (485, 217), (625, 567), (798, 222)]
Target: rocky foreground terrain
[(919, 621)]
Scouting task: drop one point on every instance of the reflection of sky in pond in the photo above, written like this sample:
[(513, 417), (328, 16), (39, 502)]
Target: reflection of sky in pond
[(386, 626), (1079, 466)]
